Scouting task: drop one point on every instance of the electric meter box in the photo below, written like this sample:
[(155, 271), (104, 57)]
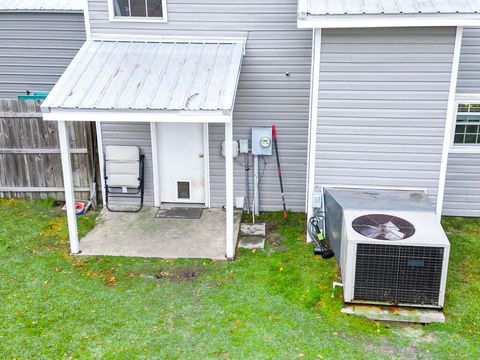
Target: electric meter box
[(262, 141)]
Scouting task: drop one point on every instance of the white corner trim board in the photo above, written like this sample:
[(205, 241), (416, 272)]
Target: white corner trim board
[(450, 120), (86, 16), (98, 128), (156, 175), (313, 117)]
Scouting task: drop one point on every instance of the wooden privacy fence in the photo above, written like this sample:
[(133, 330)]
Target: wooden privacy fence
[(30, 165)]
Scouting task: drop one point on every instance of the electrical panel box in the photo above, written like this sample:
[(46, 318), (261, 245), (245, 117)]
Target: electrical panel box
[(317, 200), (262, 141)]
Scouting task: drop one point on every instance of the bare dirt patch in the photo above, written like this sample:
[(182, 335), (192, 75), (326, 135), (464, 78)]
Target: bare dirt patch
[(178, 274)]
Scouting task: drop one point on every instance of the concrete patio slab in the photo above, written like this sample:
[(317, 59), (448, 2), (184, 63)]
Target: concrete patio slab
[(143, 235)]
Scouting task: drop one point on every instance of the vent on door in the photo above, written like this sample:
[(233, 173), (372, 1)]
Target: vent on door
[(398, 274), (183, 190)]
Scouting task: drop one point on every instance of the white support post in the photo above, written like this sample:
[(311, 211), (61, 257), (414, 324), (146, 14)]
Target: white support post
[(313, 119), (68, 185), (230, 241), (450, 121), (98, 127)]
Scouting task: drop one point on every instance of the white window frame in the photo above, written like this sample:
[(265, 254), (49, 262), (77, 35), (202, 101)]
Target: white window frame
[(113, 18), (463, 148)]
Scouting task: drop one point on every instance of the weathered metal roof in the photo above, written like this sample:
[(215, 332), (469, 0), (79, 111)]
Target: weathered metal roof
[(146, 75), (41, 5), (392, 7)]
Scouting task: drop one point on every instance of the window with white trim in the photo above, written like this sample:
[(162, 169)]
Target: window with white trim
[(467, 127), (138, 9)]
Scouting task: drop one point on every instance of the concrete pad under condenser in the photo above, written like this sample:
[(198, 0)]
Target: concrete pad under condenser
[(387, 313)]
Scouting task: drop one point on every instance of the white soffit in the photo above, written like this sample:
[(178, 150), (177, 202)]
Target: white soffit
[(387, 13), (41, 5), (147, 81)]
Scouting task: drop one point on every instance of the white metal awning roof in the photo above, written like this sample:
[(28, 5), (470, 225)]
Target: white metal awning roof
[(148, 81), (387, 13), (41, 5)]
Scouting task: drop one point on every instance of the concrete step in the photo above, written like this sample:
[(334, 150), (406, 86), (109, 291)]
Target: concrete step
[(252, 236), (257, 229)]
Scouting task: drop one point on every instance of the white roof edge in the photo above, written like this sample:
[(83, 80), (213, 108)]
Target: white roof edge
[(55, 11), (56, 6), (155, 38), (202, 116), (375, 21)]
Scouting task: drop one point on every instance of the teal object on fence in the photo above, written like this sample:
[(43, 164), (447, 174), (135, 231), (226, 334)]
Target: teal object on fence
[(39, 95)]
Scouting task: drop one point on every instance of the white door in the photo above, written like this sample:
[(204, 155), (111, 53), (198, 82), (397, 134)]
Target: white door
[(181, 162)]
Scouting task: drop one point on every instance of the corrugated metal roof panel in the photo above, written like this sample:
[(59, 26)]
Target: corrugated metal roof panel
[(41, 5), (391, 7), (133, 75)]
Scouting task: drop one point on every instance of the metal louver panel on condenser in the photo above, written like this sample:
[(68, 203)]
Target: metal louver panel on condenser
[(398, 274)]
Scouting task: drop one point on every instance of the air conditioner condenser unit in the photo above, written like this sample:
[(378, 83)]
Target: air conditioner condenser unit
[(390, 247)]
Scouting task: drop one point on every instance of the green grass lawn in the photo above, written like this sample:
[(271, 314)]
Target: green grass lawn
[(275, 303)]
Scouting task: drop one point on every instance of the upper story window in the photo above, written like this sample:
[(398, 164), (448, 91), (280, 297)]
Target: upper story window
[(467, 127), (138, 10)]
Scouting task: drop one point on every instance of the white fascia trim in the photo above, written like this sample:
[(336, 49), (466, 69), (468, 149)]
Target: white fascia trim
[(86, 16), (450, 120), (468, 98), (113, 18), (44, 10), (464, 149), (313, 118), (136, 116), (172, 39), (375, 21)]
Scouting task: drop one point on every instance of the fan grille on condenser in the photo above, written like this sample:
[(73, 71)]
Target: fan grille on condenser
[(383, 227)]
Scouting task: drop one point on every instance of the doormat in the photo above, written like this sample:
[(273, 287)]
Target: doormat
[(179, 213)]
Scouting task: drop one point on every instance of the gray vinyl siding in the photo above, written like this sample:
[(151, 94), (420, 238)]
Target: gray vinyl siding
[(462, 187), (469, 68), (133, 134), (36, 48), (265, 94), (382, 107)]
